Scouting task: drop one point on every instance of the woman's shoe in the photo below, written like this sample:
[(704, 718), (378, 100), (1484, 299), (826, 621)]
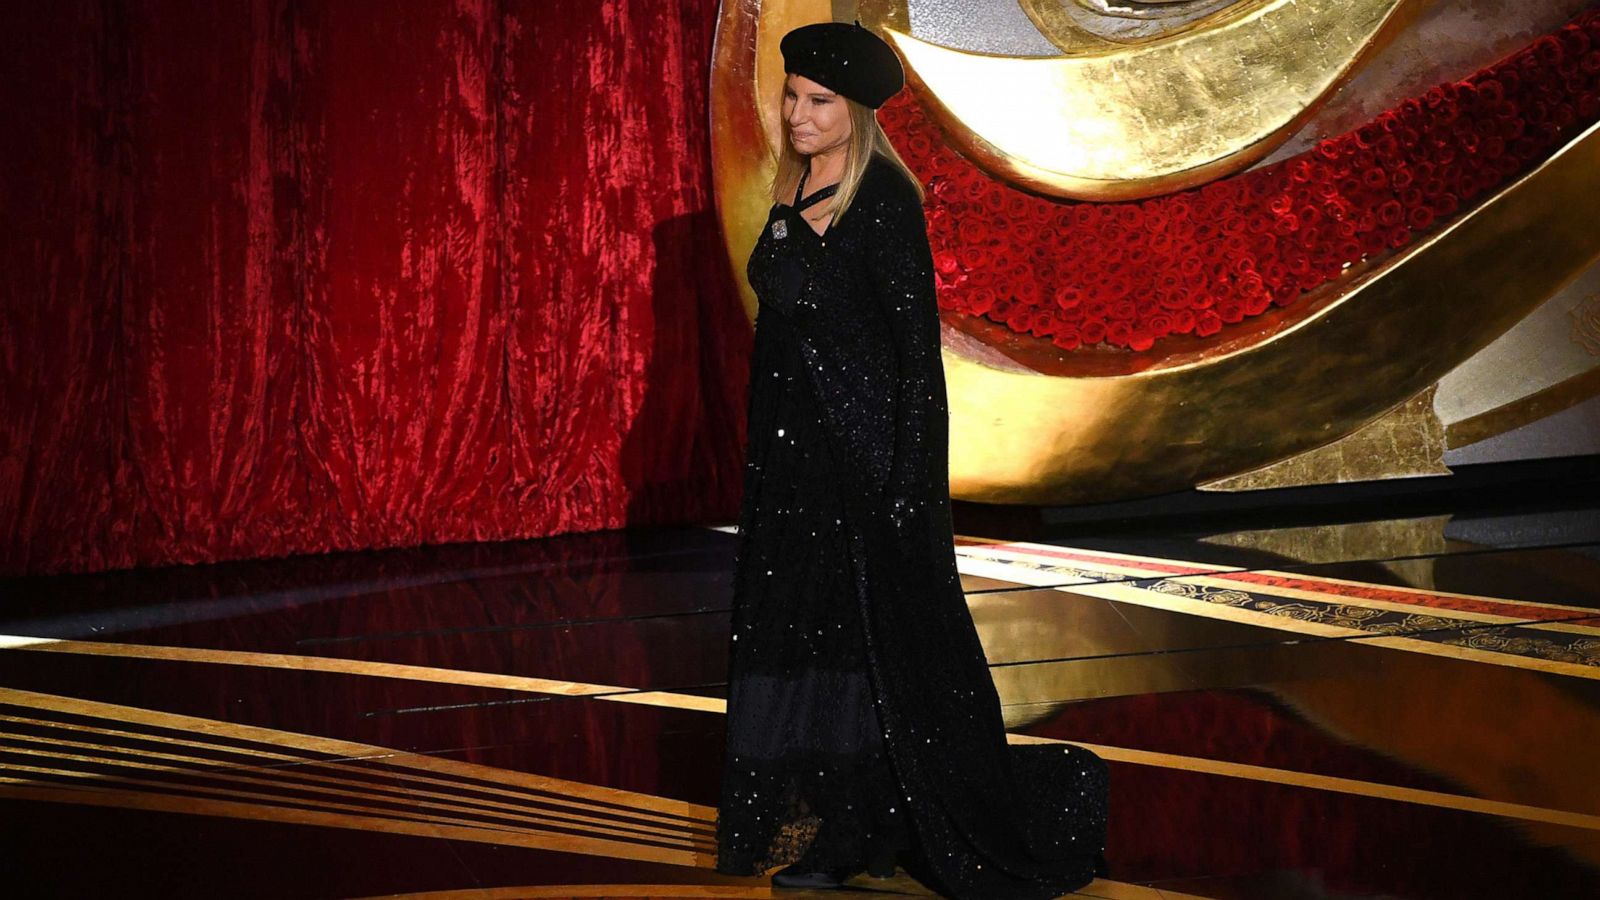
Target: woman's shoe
[(795, 876)]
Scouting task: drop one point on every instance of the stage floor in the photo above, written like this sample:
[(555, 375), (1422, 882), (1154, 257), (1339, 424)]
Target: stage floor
[(1404, 707)]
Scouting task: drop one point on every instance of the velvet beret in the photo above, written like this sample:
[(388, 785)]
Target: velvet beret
[(846, 59)]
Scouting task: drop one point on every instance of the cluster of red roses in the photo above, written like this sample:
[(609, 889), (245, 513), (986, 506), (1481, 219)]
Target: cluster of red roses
[(1129, 274)]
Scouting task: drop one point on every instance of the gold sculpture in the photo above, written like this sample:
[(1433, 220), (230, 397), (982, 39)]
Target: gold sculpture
[(1044, 426), (1156, 116)]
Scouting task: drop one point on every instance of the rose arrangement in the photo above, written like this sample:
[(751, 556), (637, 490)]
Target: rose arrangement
[(1129, 274)]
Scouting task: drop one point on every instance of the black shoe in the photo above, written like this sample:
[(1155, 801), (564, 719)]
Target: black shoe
[(795, 876)]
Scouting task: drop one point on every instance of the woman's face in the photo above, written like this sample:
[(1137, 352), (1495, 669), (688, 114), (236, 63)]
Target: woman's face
[(818, 119)]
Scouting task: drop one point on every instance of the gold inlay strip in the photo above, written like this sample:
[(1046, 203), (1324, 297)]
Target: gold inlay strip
[(1115, 754), (629, 801), (1177, 603), (409, 778), (295, 781), (1467, 616), (94, 784), (1099, 889), (239, 810), (1403, 589), (1332, 783)]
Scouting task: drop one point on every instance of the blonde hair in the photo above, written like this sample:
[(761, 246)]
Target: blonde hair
[(866, 138)]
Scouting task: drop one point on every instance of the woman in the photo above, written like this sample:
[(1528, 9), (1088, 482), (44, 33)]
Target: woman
[(863, 726)]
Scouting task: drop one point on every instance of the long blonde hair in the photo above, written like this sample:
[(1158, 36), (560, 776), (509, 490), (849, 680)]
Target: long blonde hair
[(866, 138)]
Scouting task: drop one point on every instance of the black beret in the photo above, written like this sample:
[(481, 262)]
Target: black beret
[(846, 59)]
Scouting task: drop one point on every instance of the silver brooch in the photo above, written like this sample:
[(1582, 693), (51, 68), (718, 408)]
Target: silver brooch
[(780, 228)]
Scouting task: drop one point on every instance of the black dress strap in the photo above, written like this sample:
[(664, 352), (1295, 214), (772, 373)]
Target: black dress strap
[(818, 197)]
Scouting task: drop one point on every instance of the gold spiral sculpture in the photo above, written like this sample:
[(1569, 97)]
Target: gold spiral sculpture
[(1055, 430)]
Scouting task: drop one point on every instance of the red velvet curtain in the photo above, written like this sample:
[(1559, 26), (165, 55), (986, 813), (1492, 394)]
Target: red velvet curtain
[(288, 276)]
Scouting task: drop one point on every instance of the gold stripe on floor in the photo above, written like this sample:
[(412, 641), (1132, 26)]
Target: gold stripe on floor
[(1099, 889), (668, 699)]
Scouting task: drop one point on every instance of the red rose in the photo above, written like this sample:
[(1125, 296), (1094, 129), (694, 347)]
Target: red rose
[(976, 258), (1548, 50), (1141, 340), (1067, 338), (1069, 297), (1183, 321), (946, 262), (1207, 323), (1044, 324), (1420, 217), (980, 300), (1093, 331)]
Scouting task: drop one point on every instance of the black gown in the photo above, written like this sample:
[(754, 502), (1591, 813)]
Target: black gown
[(861, 715)]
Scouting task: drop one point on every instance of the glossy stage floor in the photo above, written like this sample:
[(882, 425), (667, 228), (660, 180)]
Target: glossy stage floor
[(1405, 705)]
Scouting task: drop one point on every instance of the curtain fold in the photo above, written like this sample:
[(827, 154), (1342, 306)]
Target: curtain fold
[(291, 276)]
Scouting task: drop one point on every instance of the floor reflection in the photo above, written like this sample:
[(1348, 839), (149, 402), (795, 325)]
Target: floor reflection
[(1385, 708)]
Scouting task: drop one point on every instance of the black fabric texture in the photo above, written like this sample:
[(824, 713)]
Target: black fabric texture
[(861, 712)]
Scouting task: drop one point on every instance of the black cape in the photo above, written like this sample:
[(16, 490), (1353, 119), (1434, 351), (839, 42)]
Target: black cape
[(861, 714)]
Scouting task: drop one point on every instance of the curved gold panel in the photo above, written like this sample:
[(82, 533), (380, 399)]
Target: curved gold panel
[(1301, 378), (1061, 29), (1152, 117), (1109, 426)]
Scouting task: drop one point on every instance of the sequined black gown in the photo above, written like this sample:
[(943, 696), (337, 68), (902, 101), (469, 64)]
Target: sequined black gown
[(861, 714)]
